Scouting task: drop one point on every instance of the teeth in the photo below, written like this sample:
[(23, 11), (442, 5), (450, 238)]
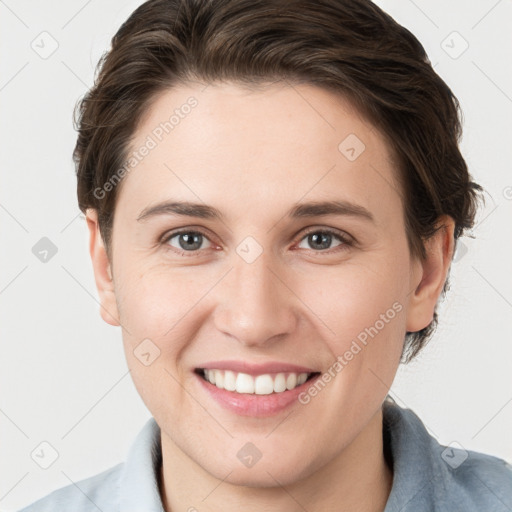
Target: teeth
[(211, 377), (244, 383), (263, 385), (279, 383), (229, 380), (302, 378), (259, 385), (291, 381)]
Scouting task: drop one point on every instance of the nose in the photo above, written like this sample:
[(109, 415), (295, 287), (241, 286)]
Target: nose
[(255, 305)]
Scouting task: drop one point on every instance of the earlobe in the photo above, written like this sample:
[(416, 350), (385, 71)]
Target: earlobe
[(430, 275), (102, 271)]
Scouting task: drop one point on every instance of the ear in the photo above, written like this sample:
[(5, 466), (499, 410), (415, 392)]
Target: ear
[(102, 270), (430, 275)]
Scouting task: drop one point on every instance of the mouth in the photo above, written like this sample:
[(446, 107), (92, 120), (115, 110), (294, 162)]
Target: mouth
[(262, 384)]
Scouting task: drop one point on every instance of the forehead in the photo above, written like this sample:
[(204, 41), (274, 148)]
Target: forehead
[(277, 143)]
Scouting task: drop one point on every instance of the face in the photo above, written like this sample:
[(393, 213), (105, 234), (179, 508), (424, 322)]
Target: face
[(294, 260)]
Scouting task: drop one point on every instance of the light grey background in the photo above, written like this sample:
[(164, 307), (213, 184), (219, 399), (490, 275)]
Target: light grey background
[(64, 379)]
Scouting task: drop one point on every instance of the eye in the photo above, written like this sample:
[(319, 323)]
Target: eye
[(190, 242), (187, 241), (321, 239)]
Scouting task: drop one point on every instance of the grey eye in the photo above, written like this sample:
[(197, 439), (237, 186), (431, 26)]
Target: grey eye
[(188, 240), (319, 240)]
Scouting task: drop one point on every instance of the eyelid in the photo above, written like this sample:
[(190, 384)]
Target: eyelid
[(344, 237), (188, 229), (166, 237)]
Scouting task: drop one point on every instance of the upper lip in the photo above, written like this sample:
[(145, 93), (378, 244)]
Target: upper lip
[(256, 368)]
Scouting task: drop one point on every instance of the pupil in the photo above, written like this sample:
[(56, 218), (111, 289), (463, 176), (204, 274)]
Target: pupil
[(321, 240), (193, 241), (190, 241)]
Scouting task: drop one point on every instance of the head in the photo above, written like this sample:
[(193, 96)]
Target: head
[(320, 150)]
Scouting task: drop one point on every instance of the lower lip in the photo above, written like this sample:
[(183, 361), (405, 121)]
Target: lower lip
[(246, 404)]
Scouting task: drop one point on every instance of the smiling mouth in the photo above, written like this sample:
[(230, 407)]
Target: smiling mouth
[(264, 384)]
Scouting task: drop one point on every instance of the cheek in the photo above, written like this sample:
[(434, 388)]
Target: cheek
[(352, 298), (364, 309), (153, 301), (156, 310), (153, 307), (341, 301)]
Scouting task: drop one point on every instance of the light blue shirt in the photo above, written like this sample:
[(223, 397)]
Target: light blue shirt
[(427, 477)]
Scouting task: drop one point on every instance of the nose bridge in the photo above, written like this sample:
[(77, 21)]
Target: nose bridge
[(255, 306)]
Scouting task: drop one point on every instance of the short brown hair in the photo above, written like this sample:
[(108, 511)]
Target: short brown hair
[(350, 47)]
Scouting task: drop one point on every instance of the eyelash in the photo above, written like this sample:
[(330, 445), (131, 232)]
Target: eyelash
[(346, 240)]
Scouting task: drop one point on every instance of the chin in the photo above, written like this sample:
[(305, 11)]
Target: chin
[(264, 476), (275, 471)]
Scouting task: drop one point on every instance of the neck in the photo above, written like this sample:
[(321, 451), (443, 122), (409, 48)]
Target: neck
[(358, 478)]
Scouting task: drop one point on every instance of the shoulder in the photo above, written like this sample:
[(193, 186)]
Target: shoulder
[(432, 476), (483, 480), (130, 485), (98, 492)]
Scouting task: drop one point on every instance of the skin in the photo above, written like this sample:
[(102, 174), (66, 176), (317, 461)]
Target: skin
[(254, 155)]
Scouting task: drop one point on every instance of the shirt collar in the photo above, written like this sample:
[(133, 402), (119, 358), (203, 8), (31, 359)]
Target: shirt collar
[(409, 444), (139, 480), (415, 468)]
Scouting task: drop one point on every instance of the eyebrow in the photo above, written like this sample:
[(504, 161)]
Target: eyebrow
[(203, 211)]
